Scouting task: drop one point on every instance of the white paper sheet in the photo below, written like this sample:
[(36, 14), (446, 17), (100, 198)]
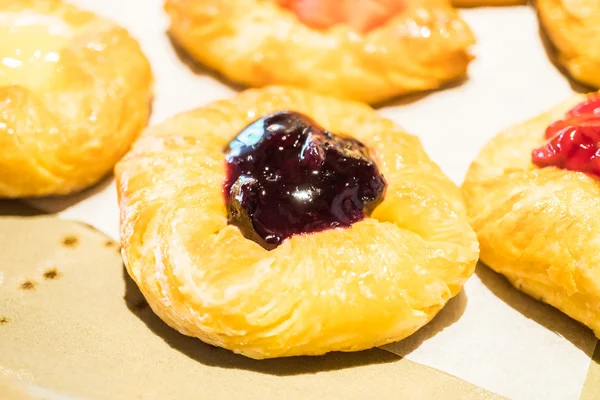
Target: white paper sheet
[(490, 335)]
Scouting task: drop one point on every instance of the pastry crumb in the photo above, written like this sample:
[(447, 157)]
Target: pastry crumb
[(110, 243), (28, 285), (140, 305), (51, 274), (3, 320), (70, 241)]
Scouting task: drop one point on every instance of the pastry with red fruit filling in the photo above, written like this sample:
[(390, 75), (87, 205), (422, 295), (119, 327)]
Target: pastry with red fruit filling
[(368, 50), (533, 198)]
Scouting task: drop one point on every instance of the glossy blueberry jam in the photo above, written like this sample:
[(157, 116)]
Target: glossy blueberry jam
[(573, 142), (286, 175)]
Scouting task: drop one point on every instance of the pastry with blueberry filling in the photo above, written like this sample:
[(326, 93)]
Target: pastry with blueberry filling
[(282, 222)]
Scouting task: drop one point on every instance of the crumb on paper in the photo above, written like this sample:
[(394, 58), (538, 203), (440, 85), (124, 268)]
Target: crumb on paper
[(3, 320), (51, 274), (140, 305), (70, 241), (28, 285), (110, 243)]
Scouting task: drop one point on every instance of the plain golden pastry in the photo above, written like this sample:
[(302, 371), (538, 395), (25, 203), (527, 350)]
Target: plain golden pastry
[(533, 198), (485, 3), (75, 92), (369, 51), (573, 26), (281, 223)]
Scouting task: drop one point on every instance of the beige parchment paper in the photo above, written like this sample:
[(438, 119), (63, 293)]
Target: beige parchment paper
[(74, 326)]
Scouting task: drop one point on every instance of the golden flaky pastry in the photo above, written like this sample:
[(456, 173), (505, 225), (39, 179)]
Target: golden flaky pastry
[(478, 3), (573, 26), (538, 226), (340, 289), (259, 42), (74, 94)]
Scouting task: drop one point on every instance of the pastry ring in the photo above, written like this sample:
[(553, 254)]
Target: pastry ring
[(75, 92), (343, 289), (572, 26), (261, 42), (538, 224)]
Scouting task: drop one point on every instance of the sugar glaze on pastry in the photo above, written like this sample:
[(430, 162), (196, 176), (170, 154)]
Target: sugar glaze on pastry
[(74, 94), (349, 288), (322, 46)]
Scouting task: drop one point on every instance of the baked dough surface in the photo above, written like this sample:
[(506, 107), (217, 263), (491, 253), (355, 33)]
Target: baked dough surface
[(74, 94), (485, 3), (258, 42), (538, 226), (342, 289), (573, 26)]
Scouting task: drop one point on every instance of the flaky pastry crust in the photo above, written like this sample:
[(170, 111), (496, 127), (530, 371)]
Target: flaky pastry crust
[(538, 226), (485, 3), (66, 122), (341, 289), (257, 42), (573, 26)]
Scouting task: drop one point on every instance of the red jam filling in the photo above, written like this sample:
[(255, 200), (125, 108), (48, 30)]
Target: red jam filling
[(361, 15), (573, 142), (286, 175)]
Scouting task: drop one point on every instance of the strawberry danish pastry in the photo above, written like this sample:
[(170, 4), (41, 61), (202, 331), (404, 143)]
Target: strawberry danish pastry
[(368, 50), (533, 197)]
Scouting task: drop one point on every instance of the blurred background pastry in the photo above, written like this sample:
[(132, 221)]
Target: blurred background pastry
[(75, 91)]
